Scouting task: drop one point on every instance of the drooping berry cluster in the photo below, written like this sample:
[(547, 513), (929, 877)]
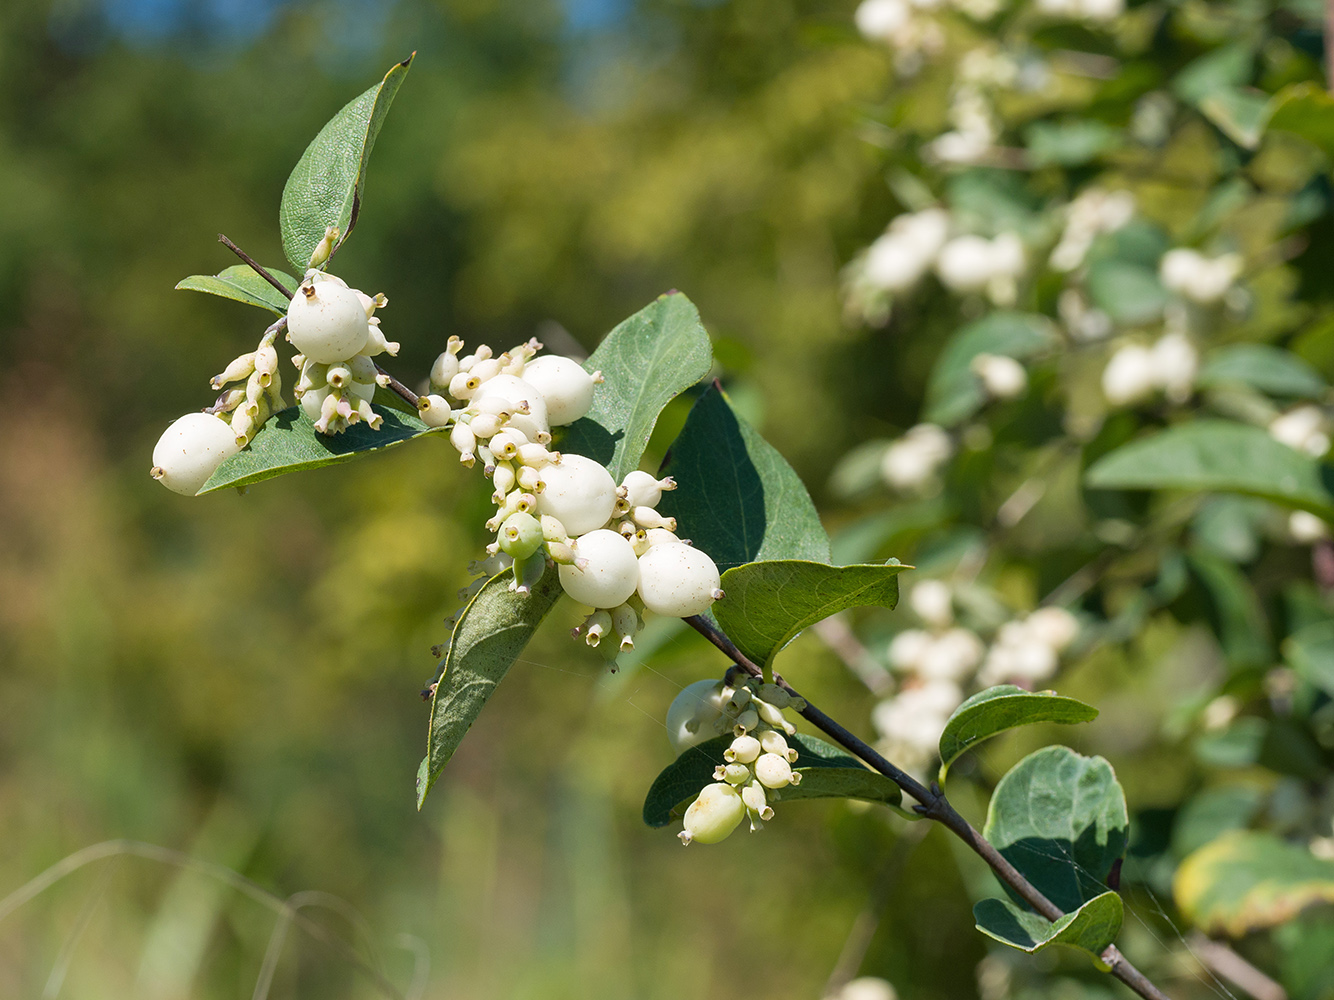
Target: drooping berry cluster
[(758, 762)]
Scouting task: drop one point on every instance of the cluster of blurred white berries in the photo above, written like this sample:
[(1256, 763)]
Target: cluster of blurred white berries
[(938, 662), (1091, 213), (616, 554), (757, 764), (1136, 371), (1194, 276), (911, 462), (1305, 428)]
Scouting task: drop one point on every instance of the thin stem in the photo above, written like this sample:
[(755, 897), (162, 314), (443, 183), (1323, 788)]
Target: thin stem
[(404, 393), (933, 805), (257, 268)]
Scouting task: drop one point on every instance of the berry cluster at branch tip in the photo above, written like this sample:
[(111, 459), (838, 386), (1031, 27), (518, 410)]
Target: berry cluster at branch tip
[(616, 554), (757, 764)]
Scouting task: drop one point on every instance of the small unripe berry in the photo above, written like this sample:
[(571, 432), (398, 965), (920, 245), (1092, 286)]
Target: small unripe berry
[(773, 771), (191, 449), (753, 797), (610, 574), (433, 410), (566, 388), (677, 580), (713, 815), (580, 492), (520, 535), (735, 774), (744, 750), (642, 490), (326, 322), (519, 394)]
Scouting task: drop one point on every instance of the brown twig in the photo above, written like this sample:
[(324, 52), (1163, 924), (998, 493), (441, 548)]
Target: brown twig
[(932, 805), (404, 393), (257, 268)]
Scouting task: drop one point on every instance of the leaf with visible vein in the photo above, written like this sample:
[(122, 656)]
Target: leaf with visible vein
[(242, 284)]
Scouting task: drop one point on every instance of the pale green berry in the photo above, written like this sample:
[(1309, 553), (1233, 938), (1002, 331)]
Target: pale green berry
[(772, 741), (326, 322), (565, 387), (744, 750), (610, 570), (643, 490), (713, 815), (773, 771), (581, 493), (434, 410), (190, 450), (753, 797), (691, 715), (735, 774), (520, 535), (677, 580)]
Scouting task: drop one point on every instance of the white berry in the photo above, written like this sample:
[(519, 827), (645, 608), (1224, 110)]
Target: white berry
[(190, 451), (516, 391), (326, 322), (579, 493), (608, 573), (677, 580), (714, 815), (567, 388), (692, 714), (773, 771)]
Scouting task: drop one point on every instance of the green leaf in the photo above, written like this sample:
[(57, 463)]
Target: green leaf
[(736, 497), (826, 773), (1129, 292), (326, 187), (1069, 143), (769, 602), (1307, 110), (288, 442), (490, 634), (1221, 456), (1247, 880), (1310, 652), (1235, 610), (244, 285), (1221, 69), (997, 709), (1060, 818), (1263, 367), (648, 360), (1091, 928), (954, 393), (1240, 113)]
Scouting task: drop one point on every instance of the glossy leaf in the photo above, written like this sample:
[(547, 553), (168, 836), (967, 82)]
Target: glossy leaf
[(488, 637), (648, 361), (1234, 609), (288, 442), (1305, 109), (1221, 456), (1310, 652), (1247, 880), (954, 393), (1126, 290), (997, 709), (826, 773), (1091, 928), (1060, 818), (1240, 113), (1263, 367), (736, 497), (769, 602), (326, 186), (244, 285)]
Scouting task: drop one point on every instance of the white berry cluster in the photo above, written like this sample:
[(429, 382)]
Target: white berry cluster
[(193, 447), (616, 554), (1194, 276), (337, 333), (758, 763), (1136, 371), (937, 663), (1305, 428)]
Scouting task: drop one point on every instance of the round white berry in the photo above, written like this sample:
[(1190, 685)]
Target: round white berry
[(567, 388), (326, 322), (579, 493), (773, 771), (692, 714), (608, 573), (713, 815), (677, 580), (744, 750), (517, 391), (191, 449)]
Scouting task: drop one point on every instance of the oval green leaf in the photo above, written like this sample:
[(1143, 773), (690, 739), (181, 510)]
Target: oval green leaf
[(326, 186), (1307, 110), (288, 442), (242, 284), (736, 496), (648, 360), (826, 773), (1221, 456), (1265, 368), (769, 602), (488, 637), (1060, 818), (997, 709), (1310, 652), (1247, 880), (1090, 929)]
